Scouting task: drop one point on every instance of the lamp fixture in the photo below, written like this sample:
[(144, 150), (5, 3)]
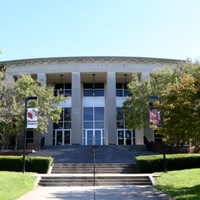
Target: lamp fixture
[(61, 82), (125, 87), (61, 78), (93, 88)]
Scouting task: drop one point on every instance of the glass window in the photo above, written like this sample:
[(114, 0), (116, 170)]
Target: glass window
[(68, 86), (67, 114), (88, 114), (99, 113), (120, 124), (99, 93), (90, 89), (119, 114), (87, 93), (67, 125), (64, 89), (88, 125), (119, 86), (99, 125), (122, 90), (87, 85), (119, 93)]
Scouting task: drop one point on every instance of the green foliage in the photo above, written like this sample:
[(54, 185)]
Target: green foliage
[(33, 164), (150, 164), (178, 91), (12, 101), (181, 110), (135, 107)]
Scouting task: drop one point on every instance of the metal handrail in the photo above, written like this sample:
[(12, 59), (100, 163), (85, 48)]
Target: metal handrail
[(94, 170)]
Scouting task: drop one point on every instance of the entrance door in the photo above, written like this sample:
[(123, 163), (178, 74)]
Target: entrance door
[(125, 137), (62, 137), (94, 137)]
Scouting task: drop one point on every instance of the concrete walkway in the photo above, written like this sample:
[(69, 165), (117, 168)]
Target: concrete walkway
[(96, 193), (104, 154)]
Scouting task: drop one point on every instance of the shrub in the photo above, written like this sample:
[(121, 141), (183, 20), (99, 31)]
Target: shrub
[(32, 164), (155, 163)]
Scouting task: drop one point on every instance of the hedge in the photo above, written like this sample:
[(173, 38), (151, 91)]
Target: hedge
[(155, 163), (36, 164)]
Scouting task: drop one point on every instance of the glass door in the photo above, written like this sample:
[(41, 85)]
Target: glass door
[(93, 137), (62, 137), (125, 137)]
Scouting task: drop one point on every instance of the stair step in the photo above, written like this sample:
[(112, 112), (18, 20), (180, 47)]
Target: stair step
[(99, 180), (89, 168)]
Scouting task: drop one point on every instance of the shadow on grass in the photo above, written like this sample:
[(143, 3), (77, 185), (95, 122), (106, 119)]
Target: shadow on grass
[(186, 193)]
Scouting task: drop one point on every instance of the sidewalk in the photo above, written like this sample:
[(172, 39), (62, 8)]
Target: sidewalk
[(97, 193)]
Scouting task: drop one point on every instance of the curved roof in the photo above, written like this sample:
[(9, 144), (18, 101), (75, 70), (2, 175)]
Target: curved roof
[(90, 58)]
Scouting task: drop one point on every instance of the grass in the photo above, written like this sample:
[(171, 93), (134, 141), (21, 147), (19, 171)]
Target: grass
[(15, 184), (182, 185)]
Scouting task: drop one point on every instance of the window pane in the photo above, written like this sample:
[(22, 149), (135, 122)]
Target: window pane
[(99, 125), (68, 86), (67, 125), (88, 114), (119, 85), (99, 113), (58, 86), (87, 85), (87, 93), (119, 115), (67, 93), (88, 125), (99, 85), (67, 114), (119, 93), (120, 124), (99, 93)]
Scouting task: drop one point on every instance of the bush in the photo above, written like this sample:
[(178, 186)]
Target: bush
[(155, 163), (32, 164)]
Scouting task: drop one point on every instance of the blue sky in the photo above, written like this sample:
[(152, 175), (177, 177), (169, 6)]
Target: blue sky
[(62, 28)]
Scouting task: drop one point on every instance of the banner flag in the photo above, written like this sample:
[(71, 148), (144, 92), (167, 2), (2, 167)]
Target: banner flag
[(32, 117), (154, 116)]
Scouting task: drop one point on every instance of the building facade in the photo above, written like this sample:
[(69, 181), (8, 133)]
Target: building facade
[(97, 88)]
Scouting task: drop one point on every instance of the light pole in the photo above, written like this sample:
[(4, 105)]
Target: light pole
[(25, 128), (155, 120)]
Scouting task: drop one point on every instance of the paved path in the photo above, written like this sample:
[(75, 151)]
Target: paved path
[(104, 154), (99, 193)]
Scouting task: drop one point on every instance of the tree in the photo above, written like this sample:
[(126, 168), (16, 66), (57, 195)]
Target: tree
[(12, 114), (176, 88), (180, 109), (6, 100), (135, 108)]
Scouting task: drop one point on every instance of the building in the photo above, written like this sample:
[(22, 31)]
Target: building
[(97, 90)]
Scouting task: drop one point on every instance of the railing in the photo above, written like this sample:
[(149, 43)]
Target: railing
[(39, 144), (159, 146), (94, 170)]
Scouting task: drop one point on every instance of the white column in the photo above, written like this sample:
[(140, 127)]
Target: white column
[(144, 76), (43, 78), (111, 108), (76, 116)]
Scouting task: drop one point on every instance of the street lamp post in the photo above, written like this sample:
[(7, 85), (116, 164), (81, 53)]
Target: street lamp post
[(157, 121), (25, 128)]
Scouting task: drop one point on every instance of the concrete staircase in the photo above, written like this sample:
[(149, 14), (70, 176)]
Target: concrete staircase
[(98, 180), (84, 168), (88, 174), (104, 166)]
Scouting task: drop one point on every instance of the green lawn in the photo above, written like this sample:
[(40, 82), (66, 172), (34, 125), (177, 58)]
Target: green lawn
[(183, 184), (15, 184)]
